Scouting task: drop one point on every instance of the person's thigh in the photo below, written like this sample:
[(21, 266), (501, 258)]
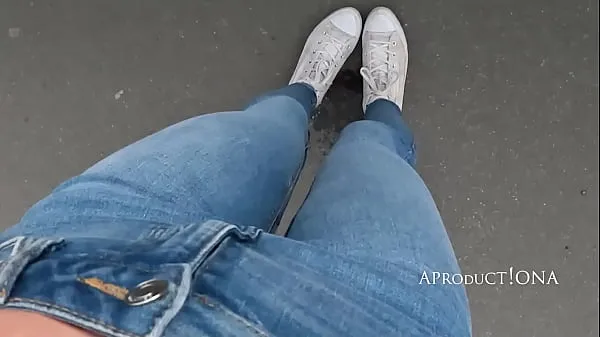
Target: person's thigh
[(232, 166), (367, 200)]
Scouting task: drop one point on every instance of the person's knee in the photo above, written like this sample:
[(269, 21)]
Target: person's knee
[(366, 130), (381, 135)]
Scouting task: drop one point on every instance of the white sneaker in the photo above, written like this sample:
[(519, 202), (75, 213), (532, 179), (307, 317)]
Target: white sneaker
[(385, 57), (326, 50)]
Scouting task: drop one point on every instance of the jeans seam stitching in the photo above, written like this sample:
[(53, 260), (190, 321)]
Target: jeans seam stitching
[(71, 312), (204, 299)]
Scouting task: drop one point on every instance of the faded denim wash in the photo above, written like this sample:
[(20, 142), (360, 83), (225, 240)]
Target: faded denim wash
[(193, 205)]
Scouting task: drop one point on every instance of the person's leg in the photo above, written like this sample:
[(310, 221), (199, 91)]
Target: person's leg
[(368, 200), (237, 167), (232, 166)]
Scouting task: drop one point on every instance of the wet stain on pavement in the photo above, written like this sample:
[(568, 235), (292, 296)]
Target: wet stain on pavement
[(343, 103)]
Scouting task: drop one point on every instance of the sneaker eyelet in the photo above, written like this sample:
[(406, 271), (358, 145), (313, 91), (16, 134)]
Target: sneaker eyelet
[(394, 43)]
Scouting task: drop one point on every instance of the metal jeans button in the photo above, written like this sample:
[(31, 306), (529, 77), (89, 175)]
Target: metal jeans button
[(147, 292)]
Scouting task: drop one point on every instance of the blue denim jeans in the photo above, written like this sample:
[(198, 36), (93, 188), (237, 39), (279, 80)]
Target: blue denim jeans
[(191, 206)]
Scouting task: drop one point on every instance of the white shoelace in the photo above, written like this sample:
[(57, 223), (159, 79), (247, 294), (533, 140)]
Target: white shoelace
[(380, 74), (323, 62)]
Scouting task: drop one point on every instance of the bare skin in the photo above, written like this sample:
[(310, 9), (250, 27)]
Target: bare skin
[(18, 323)]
